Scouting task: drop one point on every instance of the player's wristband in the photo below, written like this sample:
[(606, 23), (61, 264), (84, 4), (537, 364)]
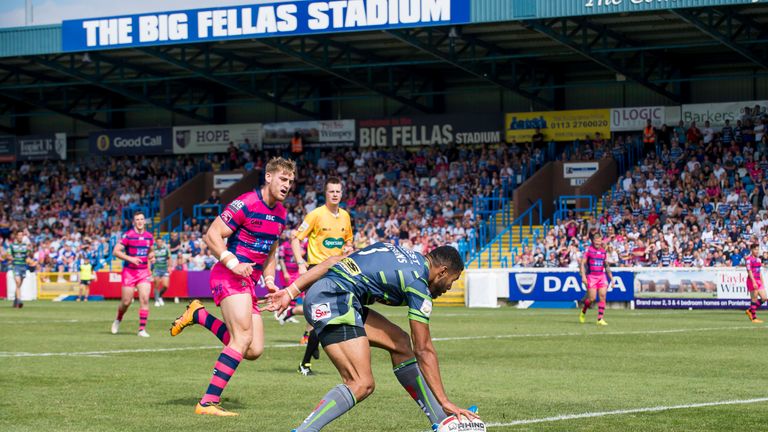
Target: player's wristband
[(231, 264), (298, 291), (267, 279), (301, 263), (224, 254)]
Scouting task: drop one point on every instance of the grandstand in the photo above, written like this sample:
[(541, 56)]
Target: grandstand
[(511, 130)]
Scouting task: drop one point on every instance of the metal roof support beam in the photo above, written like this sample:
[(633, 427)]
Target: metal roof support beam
[(331, 56), (252, 90), (43, 102), (96, 80), (589, 39), (727, 27), (468, 53)]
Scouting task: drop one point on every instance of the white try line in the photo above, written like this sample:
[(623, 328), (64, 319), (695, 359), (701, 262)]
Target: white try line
[(125, 351), (444, 339), (66, 321), (628, 411), (598, 333)]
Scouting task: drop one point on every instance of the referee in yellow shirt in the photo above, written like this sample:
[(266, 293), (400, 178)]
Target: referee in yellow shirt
[(329, 229)]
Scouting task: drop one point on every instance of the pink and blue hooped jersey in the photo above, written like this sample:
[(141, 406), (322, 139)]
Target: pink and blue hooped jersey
[(595, 261), (256, 228), (754, 265), (137, 245)]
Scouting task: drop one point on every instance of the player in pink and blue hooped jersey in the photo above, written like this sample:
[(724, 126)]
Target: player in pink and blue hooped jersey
[(135, 249), (245, 237), (594, 270), (755, 283)]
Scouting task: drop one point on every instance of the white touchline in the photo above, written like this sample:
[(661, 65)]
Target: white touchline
[(445, 339), (616, 333), (125, 351), (628, 411)]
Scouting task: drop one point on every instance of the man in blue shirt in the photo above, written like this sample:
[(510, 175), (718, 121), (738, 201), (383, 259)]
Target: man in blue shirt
[(335, 305)]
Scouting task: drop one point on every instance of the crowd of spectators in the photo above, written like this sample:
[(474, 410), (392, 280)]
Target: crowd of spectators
[(69, 208), (419, 199), (699, 199)]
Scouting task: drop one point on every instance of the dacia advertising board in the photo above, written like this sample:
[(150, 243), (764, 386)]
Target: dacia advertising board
[(564, 286)]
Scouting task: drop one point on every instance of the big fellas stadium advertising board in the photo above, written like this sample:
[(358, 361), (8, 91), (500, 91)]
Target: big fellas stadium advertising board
[(429, 130)]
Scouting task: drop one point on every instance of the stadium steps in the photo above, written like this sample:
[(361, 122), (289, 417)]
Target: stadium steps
[(455, 296), (512, 236)]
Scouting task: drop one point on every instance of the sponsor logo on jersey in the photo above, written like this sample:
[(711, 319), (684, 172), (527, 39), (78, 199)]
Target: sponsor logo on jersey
[(237, 205), (333, 243), (321, 311), (426, 307), (226, 216)]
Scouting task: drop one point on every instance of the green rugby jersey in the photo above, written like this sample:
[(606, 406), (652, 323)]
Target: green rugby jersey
[(387, 274), (162, 257), (19, 252)]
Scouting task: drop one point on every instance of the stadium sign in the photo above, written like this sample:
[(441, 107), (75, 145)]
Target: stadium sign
[(154, 141), (429, 130), (486, 11), (41, 147), (717, 113), (564, 286), (558, 125), (7, 148), (214, 138), (314, 134), (287, 18)]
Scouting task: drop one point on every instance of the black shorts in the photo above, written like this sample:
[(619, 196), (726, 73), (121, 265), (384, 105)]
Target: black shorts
[(335, 314), (336, 333), (85, 282)]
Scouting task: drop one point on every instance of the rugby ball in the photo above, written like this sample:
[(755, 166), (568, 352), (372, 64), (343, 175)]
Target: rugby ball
[(452, 424)]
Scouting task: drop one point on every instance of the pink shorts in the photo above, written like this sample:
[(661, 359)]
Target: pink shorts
[(224, 283), (134, 277), (751, 287), (596, 281), (292, 276)]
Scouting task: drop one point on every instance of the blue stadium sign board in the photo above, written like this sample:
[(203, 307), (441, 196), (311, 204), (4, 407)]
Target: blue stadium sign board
[(258, 20)]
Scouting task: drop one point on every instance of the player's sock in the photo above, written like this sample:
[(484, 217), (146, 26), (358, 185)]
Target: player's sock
[(143, 315), (225, 367), (753, 309), (312, 344), (587, 304), (600, 310), (335, 403), (215, 325), (410, 377), (288, 313), (120, 314)]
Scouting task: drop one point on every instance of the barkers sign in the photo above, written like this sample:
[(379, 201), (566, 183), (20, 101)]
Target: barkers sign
[(261, 20), (430, 130)]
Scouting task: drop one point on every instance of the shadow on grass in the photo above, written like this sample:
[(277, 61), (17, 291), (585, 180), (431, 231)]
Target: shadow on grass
[(192, 401)]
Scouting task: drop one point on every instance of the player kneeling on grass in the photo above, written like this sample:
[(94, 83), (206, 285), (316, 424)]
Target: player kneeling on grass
[(335, 307), (755, 283), (594, 270)]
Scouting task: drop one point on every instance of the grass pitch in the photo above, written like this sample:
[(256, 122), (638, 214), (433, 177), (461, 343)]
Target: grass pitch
[(522, 368)]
